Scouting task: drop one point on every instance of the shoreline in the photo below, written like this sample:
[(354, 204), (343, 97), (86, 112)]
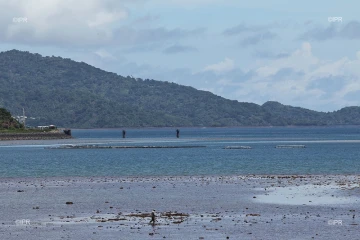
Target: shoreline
[(18, 136), (183, 177), (187, 207), (239, 176)]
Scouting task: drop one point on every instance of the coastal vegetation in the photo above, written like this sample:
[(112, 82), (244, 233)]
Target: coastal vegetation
[(11, 129), (7, 122), (60, 91)]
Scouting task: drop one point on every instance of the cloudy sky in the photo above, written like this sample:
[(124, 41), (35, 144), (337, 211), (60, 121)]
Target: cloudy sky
[(302, 53)]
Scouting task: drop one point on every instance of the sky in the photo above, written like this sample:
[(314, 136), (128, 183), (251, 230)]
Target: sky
[(300, 53)]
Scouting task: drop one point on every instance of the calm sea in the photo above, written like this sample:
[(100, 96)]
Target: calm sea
[(329, 150)]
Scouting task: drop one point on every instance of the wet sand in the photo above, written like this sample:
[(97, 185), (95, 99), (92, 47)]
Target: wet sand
[(216, 207)]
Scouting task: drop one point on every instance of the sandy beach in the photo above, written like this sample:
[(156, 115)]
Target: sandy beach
[(217, 207)]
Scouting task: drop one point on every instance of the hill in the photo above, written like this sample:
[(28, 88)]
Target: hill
[(59, 91), (288, 115)]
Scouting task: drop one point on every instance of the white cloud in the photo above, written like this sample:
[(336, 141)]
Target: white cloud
[(56, 22), (305, 89), (300, 60), (300, 79), (221, 67), (104, 54), (189, 3), (106, 18), (85, 23)]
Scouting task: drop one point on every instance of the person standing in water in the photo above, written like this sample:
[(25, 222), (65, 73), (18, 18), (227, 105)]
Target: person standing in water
[(177, 133), (123, 133)]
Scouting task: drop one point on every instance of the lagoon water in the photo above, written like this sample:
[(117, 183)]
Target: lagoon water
[(329, 150)]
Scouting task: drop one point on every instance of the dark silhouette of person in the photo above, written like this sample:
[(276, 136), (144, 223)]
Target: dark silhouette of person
[(152, 221), (177, 133), (124, 133)]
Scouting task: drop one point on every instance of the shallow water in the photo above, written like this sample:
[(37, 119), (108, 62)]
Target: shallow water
[(306, 195), (329, 150)]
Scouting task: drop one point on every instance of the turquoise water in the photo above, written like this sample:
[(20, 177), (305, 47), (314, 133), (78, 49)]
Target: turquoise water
[(329, 150)]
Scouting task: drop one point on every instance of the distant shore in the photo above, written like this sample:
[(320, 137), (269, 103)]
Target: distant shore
[(10, 136)]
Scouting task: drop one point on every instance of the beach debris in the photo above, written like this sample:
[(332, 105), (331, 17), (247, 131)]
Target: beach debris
[(37, 207), (174, 214), (253, 214), (173, 217), (177, 222), (116, 219), (141, 215)]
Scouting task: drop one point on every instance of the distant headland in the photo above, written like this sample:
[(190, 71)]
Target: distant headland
[(12, 129), (74, 94)]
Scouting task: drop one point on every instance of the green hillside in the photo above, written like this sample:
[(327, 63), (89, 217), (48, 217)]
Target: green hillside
[(66, 93), (288, 115), (7, 122)]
